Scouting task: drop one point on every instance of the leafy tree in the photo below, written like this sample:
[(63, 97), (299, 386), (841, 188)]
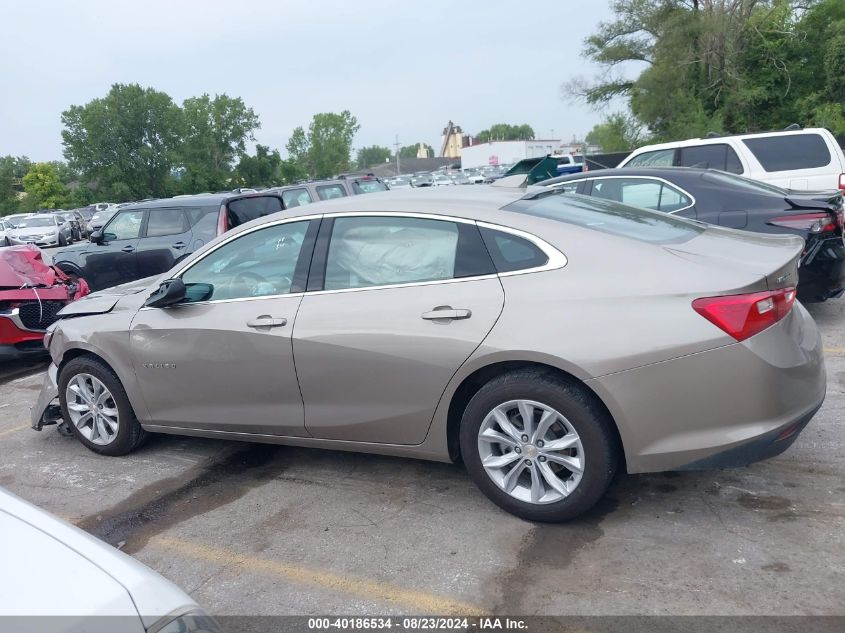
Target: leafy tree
[(324, 150), (44, 189), (125, 142), (616, 133), (372, 155), (215, 133), (261, 170), (410, 151), (720, 65), (505, 132), (12, 168)]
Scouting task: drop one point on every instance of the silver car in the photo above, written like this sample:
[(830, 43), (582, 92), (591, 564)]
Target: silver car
[(46, 229), (545, 339), (86, 585)]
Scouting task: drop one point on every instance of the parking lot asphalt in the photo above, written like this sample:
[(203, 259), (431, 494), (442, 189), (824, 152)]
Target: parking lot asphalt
[(257, 529)]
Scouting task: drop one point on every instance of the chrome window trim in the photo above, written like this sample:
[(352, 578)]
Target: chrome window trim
[(662, 180), (556, 259)]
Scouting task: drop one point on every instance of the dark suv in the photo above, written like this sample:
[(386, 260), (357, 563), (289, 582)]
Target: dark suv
[(148, 238)]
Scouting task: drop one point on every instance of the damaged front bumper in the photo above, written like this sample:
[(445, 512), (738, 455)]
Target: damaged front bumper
[(46, 410)]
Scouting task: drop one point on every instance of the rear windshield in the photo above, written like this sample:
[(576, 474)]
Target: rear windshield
[(789, 151), (610, 217), (721, 178), (368, 186), (245, 209)]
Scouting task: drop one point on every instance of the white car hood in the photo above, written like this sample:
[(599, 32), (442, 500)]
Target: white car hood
[(53, 568)]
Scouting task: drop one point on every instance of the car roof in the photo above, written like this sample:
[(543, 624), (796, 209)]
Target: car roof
[(200, 200), (464, 202), (724, 138)]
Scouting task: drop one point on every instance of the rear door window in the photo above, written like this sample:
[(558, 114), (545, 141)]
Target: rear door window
[(713, 156), (296, 198), (788, 152), (243, 210), (645, 193), (659, 158), (379, 251), (330, 192), (166, 222)]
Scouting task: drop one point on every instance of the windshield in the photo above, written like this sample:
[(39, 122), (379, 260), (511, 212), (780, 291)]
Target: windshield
[(723, 178), (610, 217), (36, 222)]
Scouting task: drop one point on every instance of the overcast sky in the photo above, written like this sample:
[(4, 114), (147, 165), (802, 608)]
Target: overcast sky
[(401, 67)]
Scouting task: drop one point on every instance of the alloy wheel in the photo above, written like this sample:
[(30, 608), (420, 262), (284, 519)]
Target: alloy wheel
[(531, 451), (92, 409)]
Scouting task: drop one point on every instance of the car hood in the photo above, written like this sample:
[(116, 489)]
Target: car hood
[(45, 547), (32, 230), (22, 266), (104, 300)]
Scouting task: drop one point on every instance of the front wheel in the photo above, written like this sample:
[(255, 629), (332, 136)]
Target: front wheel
[(538, 446), (96, 408)]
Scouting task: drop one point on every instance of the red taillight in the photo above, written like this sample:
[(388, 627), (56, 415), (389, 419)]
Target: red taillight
[(743, 316), (222, 224), (812, 222), (842, 182)]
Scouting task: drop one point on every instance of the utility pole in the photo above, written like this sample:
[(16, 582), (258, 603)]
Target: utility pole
[(396, 145)]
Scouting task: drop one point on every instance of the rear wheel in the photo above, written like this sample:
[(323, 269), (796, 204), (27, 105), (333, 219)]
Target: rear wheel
[(96, 408), (538, 446)]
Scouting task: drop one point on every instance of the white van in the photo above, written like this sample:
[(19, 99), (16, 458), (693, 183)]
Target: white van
[(795, 159)]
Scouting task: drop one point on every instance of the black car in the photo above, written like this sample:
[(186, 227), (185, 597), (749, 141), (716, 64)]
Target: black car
[(729, 200), (148, 238)]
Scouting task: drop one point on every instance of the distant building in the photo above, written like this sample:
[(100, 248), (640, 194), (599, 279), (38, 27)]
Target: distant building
[(452, 141), (506, 152), (577, 147), (422, 151)]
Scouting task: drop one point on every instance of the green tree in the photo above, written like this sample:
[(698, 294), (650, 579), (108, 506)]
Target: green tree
[(215, 134), (372, 155), (325, 149), (261, 170), (720, 65), (410, 151), (44, 189), (616, 133), (125, 142), (12, 169), (505, 132)]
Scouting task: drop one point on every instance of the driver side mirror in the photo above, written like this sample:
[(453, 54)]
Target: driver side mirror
[(169, 292), (97, 237)]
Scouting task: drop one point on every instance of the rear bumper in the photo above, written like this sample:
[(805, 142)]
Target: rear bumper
[(723, 407), (766, 446)]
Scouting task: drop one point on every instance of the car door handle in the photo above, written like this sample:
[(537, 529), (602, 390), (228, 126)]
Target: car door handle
[(128, 249), (267, 321), (446, 312), (179, 245)]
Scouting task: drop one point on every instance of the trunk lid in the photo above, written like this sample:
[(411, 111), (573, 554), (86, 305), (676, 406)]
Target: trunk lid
[(773, 257)]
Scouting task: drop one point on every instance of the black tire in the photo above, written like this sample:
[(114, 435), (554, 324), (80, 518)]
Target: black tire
[(130, 435), (581, 409), (62, 240)]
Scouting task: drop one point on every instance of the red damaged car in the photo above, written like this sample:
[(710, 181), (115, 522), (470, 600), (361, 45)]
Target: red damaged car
[(31, 295)]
